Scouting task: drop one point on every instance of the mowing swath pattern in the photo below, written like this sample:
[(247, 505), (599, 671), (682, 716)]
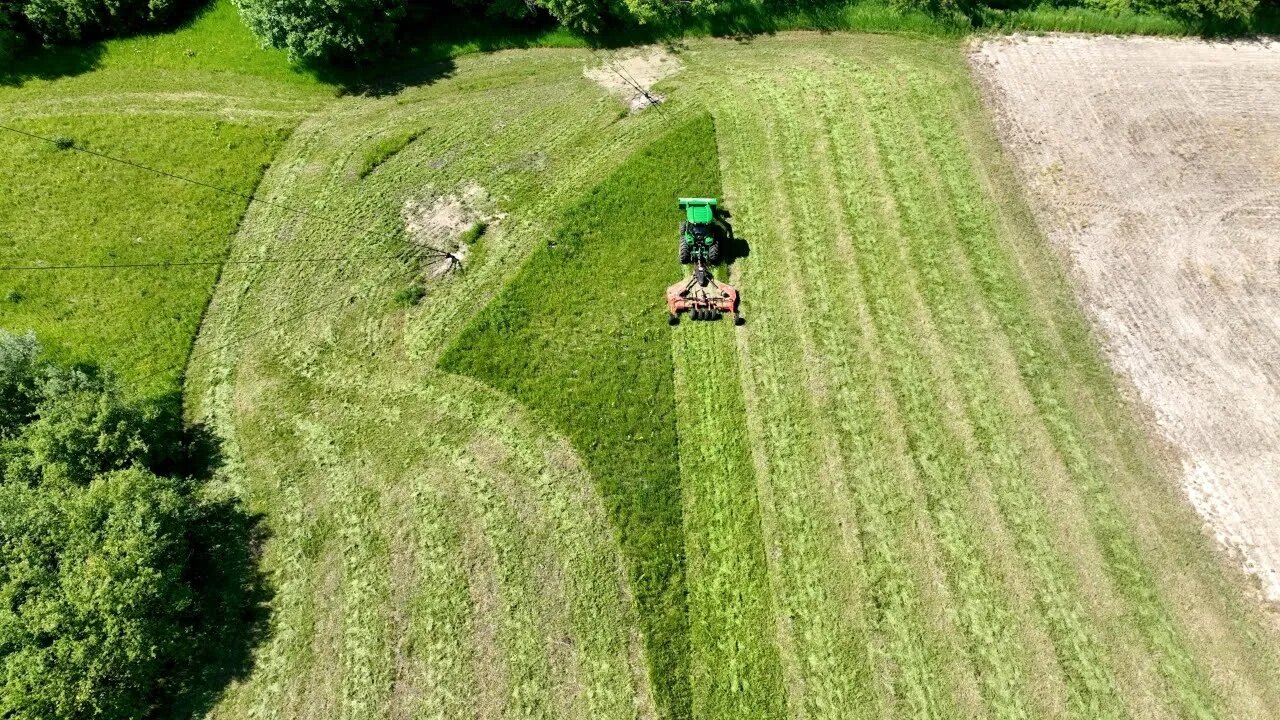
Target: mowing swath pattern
[(435, 552), (576, 340), (735, 671), (900, 381)]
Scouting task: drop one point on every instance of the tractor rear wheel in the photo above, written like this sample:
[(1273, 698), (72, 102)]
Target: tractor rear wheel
[(713, 253), (684, 251)]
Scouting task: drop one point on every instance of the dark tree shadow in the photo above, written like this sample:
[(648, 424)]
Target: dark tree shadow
[(59, 61), (229, 613), (51, 64)]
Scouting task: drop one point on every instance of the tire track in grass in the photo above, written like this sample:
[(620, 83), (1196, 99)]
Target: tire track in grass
[(1092, 691), (1185, 686), (983, 616), (735, 668)]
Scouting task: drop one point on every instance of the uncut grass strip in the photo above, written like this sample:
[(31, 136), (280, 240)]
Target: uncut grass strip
[(1092, 688), (984, 617), (775, 351), (1187, 688), (735, 667)]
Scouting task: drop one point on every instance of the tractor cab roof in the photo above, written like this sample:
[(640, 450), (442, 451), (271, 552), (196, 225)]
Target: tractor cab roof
[(698, 210)]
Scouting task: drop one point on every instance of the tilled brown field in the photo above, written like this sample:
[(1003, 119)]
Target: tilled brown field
[(1155, 165)]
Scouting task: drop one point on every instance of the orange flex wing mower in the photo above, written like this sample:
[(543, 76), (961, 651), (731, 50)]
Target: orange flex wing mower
[(703, 298)]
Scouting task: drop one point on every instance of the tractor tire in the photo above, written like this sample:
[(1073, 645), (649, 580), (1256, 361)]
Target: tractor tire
[(685, 258), (713, 253)]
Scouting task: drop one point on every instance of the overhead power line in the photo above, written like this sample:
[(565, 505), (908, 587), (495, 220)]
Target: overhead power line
[(207, 263), (63, 144)]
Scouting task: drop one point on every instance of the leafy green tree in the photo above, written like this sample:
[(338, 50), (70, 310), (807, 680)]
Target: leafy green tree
[(1211, 12), (326, 31), (94, 597), (11, 35), (124, 590), (58, 21), (19, 381)]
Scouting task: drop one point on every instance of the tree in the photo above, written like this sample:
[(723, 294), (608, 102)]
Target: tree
[(315, 30), (92, 579), (19, 381), (123, 590), (1211, 12)]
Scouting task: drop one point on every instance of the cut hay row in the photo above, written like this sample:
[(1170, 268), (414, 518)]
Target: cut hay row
[(1090, 688), (733, 653), (882, 304), (816, 563)]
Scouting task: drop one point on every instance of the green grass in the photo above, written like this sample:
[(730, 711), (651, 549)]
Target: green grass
[(578, 338), (73, 208), (906, 488), (203, 102), (375, 469), (384, 149)]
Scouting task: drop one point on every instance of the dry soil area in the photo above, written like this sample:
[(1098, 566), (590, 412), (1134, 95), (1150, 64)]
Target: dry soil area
[(1155, 165), (631, 75)]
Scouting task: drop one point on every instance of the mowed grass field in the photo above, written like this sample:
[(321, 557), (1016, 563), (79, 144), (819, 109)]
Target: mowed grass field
[(907, 487)]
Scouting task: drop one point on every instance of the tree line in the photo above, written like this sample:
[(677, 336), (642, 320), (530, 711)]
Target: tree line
[(344, 31)]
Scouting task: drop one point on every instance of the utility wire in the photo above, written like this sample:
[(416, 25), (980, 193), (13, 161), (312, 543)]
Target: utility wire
[(203, 263), (62, 144)]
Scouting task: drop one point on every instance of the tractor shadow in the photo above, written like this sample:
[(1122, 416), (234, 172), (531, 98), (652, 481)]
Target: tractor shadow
[(732, 246)]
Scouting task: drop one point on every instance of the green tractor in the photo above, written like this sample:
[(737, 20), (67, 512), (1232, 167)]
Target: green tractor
[(701, 295), (699, 231)]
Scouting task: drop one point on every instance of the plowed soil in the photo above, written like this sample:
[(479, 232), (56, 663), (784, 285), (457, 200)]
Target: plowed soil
[(1155, 165)]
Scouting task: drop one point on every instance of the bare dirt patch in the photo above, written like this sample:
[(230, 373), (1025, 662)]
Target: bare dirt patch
[(1155, 165), (439, 221), (631, 76)]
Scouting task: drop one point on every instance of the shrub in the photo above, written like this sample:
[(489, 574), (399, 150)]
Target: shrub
[(94, 594), (1211, 12), (410, 296), (67, 20)]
